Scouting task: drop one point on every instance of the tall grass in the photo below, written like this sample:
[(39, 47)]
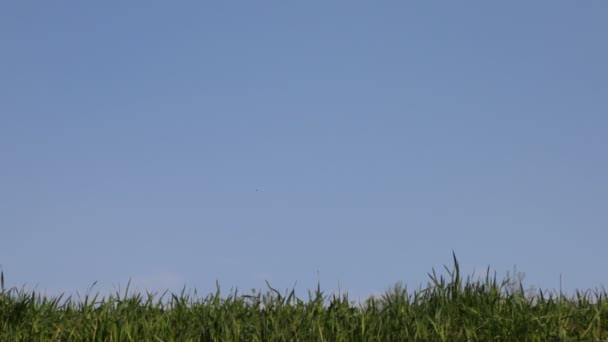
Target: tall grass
[(450, 308)]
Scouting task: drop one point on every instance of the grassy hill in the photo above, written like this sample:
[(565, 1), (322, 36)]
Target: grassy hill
[(450, 308)]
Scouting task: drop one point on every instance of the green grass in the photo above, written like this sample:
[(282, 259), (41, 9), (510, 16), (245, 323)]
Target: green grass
[(450, 308)]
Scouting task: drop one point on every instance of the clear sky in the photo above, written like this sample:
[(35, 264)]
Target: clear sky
[(357, 143)]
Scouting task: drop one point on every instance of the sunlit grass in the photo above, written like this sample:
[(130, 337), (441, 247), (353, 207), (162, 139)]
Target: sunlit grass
[(450, 308)]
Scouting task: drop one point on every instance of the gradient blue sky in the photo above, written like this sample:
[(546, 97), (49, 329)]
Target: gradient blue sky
[(355, 142)]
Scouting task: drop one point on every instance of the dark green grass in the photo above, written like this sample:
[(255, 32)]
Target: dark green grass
[(450, 308)]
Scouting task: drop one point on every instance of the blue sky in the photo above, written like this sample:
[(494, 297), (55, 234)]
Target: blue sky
[(357, 143)]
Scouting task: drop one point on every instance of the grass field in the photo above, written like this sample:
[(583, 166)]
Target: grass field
[(450, 308)]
